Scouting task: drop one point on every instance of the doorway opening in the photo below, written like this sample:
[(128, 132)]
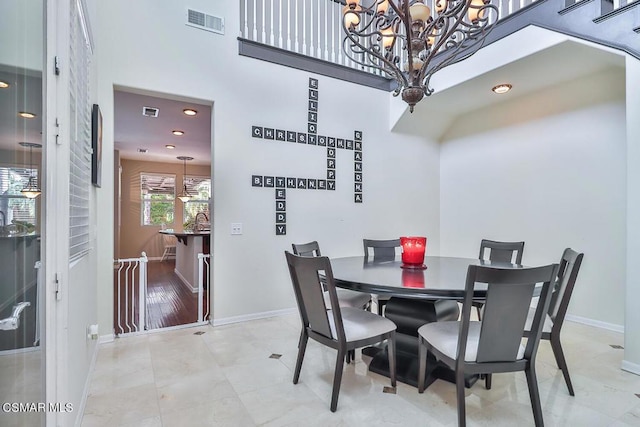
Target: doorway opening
[(162, 212)]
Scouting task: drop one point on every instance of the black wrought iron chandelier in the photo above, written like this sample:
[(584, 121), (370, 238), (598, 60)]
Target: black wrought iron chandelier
[(32, 189), (410, 41), (184, 196)]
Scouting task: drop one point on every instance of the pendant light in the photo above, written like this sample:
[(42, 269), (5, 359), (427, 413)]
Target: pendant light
[(185, 195), (32, 189)]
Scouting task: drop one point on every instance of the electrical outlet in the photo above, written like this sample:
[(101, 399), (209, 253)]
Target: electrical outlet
[(92, 332), (236, 228)]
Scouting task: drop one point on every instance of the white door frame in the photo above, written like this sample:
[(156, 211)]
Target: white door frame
[(55, 248)]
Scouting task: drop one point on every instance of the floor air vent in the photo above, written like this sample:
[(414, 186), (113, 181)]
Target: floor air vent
[(206, 22), (150, 111)]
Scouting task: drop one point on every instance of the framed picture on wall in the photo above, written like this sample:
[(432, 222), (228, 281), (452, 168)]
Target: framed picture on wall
[(96, 145)]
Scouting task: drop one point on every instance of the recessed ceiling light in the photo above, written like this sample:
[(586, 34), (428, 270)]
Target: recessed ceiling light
[(26, 115), (502, 88), (170, 146), (178, 132), (190, 111), (3, 85)]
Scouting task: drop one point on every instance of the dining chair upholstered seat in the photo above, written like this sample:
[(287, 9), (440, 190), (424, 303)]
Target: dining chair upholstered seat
[(383, 250), (561, 294), (444, 336), (343, 329), (359, 324), (492, 250), (346, 297), (494, 344)]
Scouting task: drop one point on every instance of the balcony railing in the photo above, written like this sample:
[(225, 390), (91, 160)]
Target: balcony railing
[(313, 28), (308, 27)]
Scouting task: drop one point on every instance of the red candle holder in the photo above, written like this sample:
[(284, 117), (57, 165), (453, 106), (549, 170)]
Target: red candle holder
[(413, 249)]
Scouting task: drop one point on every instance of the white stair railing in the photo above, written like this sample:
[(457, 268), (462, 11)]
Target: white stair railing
[(131, 294), (310, 27), (314, 27), (204, 282)]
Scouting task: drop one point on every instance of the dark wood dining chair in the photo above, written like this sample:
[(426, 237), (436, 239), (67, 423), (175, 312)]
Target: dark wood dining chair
[(492, 250), (341, 328), (382, 250), (560, 296), (493, 345), (346, 297)]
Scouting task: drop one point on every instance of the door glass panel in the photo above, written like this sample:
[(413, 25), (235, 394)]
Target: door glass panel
[(21, 126)]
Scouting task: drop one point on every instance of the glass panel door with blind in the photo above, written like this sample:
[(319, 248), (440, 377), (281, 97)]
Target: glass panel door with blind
[(21, 146)]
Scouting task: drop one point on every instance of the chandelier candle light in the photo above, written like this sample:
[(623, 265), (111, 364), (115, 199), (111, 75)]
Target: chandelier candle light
[(410, 41)]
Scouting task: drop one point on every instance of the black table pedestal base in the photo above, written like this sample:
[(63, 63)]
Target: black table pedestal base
[(407, 367), (409, 315)]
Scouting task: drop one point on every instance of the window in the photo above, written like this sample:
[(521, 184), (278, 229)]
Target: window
[(158, 193), (200, 189), (16, 208)]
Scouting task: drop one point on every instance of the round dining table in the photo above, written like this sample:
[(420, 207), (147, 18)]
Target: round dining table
[(418, 296), (443, 277)]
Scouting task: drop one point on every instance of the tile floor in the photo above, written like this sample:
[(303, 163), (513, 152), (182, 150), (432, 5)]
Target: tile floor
[(225, 377), (21, 380)]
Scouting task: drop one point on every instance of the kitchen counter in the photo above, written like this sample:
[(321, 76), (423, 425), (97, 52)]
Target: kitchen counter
[(190, 244), (182, 236)]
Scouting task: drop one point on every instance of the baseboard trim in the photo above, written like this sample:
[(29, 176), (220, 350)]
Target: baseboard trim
[(634, 368), (160, 330), (106, 338), (253, 316), (598, 324), (185, 282)]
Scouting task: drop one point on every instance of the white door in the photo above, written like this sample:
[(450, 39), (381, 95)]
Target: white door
[(22, 209)]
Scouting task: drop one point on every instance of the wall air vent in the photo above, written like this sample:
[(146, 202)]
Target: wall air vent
[(150, 111), (206, 22)]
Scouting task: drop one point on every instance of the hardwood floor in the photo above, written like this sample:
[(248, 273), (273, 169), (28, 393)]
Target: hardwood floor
[(169, 302)]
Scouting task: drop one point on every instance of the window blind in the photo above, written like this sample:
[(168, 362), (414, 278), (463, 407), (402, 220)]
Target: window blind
[(80, 134)]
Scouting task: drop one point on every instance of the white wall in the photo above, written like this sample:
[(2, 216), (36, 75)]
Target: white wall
[(249, 273), (563, 138), (632, 325), (549, 169)]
